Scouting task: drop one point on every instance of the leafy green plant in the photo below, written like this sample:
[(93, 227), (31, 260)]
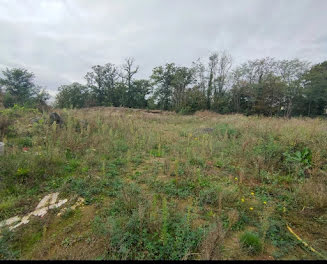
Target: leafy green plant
[(22, 174), (175, 188), (66, 242), (304, 157), (301, 159), (199, 162), (72, 165), (251, 243), (208, 196), (68, 213), (269, 148), (280, 238), (25, 142), (226, 130), (158, 151)]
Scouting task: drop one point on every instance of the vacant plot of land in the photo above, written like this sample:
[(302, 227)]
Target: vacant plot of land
[(163, 186)]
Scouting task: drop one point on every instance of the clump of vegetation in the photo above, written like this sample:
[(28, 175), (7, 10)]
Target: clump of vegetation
[(251, 243), (5, 122), (301, 160), (7, 252)]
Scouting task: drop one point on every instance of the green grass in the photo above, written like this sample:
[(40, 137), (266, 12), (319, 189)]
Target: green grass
[(251, 243)]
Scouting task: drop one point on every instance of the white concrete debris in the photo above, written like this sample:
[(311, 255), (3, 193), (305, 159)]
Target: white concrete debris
[(10, 221), (60, 203), (47, 202), (48, 199), (80, 201)]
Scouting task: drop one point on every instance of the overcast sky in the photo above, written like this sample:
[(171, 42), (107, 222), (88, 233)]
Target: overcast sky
[(59, 40)]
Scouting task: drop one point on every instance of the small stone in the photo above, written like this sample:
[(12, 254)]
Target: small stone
[(54, 117)]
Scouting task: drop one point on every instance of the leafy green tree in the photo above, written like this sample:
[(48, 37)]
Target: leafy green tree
[(19, 87), (269, 95), (221, 100), (212, 65), (249, 82), (263, 86), (128, 73), (194, 100), (243, 97), (39, 101), (292, 74), (74, 95), (1, 98), (213, 80), (162, 78), (138, 92), (200, 76), (268, 86), (316, 89), (183, 77), (102, 83)]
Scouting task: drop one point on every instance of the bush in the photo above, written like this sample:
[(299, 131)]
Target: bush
[(8, 100), (299, 160), (25, 142), (251, 242), (186, 111), (208, 196), (225, 129), (5, 122)]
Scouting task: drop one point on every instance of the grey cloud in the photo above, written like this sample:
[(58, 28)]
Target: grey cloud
[(59, 40)]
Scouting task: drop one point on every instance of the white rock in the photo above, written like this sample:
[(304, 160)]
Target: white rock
[(79, 202), (48, 199), (24, 221), (47, 202), (44, 202), (25, 218), (10, 221), (54, 198), (40, 212), (60, 203)]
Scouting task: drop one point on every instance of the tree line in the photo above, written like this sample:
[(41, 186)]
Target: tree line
[(17, 86), (265, 86)]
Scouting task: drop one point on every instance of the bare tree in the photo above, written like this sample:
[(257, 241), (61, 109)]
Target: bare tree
[(212, 66), (223, 69), (129, 71), (199, 75)]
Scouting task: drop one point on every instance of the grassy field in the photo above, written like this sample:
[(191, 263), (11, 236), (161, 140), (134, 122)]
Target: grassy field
[(164, 186)]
